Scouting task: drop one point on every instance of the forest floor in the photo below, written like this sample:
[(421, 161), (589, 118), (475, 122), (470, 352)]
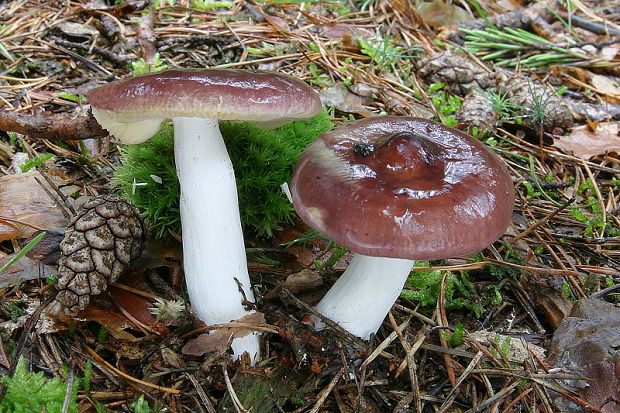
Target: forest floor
[(528, 325)]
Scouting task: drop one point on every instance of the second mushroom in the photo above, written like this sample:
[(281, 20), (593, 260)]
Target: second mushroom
[(214, 256), (394, 190)]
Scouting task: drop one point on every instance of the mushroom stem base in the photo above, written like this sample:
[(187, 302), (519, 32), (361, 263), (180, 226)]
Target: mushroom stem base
[(214, 256), (364, 294)]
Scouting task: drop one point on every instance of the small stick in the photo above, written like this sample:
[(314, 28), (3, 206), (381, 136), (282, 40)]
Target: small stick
[(325, 392), (201, 393), (529, 230), (443, 321), (348, 336), (453, 393), (102, 361), (233, 396), (69, 391), (65, 201)]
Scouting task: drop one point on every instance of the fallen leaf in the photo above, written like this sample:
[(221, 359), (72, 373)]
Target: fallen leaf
[(23, 200), (586, 343), (348, 33), (8, 231), (103, 309), (72, 29), (6, 153), (518, 350), (216, 339), (608, 53), (606, 84), (603, 388), (300, 281), (22, 270), (339, 96), (442, 13), (594, 111), (585, 143)]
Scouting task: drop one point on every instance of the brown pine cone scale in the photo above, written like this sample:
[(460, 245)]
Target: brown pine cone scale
[(102, 240)]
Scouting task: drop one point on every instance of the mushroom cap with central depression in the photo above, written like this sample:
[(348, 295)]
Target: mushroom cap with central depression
[(133, 109), (403, 187)]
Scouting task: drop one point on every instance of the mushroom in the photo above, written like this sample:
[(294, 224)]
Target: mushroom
[(394, 190), (214, 256)]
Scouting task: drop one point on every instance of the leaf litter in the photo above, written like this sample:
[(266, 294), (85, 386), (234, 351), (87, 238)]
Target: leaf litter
[(561, 249)]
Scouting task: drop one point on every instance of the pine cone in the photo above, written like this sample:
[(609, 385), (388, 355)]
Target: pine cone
[(102, 240), (539, 104), (477, 110), (461, 75)]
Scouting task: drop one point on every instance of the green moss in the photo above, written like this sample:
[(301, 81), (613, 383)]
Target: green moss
[(32, 392), (263, 159), (460, 292)]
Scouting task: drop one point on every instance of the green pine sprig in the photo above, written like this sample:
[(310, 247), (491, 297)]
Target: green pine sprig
[(510, 47)]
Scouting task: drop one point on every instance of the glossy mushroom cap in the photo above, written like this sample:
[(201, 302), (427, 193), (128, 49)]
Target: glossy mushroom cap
[(132, 109), (403, 187)]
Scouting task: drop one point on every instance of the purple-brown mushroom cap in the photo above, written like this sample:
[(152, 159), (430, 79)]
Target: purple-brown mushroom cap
[(403, 187), (267, 98)]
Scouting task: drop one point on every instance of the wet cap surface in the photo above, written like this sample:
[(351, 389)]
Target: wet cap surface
[(404, 188), (217, 93), (261, 97)]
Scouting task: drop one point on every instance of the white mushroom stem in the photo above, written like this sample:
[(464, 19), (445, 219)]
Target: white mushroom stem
[(364, 293), (214, 256)]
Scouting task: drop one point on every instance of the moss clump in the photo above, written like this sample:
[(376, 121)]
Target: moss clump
[(460, 293), (263, 159), (32, 392)]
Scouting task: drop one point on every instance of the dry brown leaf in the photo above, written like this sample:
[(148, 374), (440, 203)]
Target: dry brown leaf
[(606, 84), (518, 350), (104, 309), (339, 96), (24, 269), (8, 231), (72, 29), (215, 340), (585, 143), (442, 13), (22, 199), (348, 33), (300, 281)]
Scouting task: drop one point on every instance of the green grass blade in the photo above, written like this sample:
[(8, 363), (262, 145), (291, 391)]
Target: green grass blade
[(33, 242)]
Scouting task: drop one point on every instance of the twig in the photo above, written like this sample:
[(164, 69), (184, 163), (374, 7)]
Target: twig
[(410, 357), (102, 361), (65, 205), (497, 396), (49, 126), (594, 27), (442, 320), (286, 294), (69, 391), (146, 37), (231, 391), (606, 291), (99, 50), (325, 392), (96, 67), (201, 393), (529, 230), (452, 395), (384, 344)]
